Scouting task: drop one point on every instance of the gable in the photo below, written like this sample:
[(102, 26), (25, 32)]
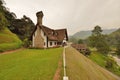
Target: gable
[(55, 35)]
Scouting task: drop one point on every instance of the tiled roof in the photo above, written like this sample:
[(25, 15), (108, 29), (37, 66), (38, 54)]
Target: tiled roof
[(79, 46), (55, 35)]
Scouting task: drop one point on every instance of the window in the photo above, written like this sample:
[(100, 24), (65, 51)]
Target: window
[(50, 43), (44, 43), (55, 43)]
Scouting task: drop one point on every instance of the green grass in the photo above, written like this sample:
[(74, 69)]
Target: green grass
[(80, 67), (30, 64), (101, 59), (8, 40), (98, 58)]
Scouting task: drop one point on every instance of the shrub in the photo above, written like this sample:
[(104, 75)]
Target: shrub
[(110, 62), (85, 52), (26, 43)]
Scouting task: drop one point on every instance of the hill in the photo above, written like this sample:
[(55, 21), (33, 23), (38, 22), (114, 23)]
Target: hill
[(85, 34), (8, 40), (115, 33), (81, 68), (114, 37)]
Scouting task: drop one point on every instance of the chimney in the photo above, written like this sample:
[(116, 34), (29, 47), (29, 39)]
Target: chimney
[(39, 17)]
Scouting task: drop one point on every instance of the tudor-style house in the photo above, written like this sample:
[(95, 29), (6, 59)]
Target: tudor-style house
[(44, 37)]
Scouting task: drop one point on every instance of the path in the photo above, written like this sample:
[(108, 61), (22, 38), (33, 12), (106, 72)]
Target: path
[(80, 67), (11, 51)]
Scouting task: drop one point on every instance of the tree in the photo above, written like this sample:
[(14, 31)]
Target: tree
[(118, 48), (3, 20), (98, 40), (97, 31), (22, 27), (80, 41)]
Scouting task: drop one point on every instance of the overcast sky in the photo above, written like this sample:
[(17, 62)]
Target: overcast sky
[(75, 15)]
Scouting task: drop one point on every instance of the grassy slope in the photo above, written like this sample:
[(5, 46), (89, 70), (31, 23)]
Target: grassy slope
[(81, 68), (30, 64), (8, 40), (101, 60), (98, 58)]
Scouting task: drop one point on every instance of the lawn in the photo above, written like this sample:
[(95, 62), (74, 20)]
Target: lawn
[(8, 40), (30, 64), (80, 67)]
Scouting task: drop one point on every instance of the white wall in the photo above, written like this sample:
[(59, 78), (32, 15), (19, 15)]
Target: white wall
[(33, 37), (45, 38), (53, 43)]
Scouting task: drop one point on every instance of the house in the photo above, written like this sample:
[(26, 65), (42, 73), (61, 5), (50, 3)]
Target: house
[(44, 37), (80, 47)]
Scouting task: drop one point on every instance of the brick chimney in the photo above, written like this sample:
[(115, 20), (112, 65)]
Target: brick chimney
[(39, 17)]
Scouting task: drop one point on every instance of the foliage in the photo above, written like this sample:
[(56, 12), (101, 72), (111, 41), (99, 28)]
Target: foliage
[(22, 27), (105, 61), (98, 40), (85, 52), (97, 31), (80, 41), (26, 43), (30, 64), (110, 62), (3, 21), (114, 37), (118, 48)]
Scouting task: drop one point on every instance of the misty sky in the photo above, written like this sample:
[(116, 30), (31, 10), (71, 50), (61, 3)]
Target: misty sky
[(75, 15)]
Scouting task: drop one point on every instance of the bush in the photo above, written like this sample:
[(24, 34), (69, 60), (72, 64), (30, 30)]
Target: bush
[(26, 43), (110, 62), (85, 52), (88, 52), (3, 22)]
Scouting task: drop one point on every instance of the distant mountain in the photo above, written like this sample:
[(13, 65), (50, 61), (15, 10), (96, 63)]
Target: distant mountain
[(114, 37), (85, 34), (115, 33)]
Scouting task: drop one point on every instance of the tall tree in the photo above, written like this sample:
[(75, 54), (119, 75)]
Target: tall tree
[(3, 20), (118, 47), (97, 39), (22, 27), (97, 31), (80, 41)]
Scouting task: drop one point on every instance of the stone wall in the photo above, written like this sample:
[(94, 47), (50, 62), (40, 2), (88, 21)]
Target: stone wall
[(38, 40)]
